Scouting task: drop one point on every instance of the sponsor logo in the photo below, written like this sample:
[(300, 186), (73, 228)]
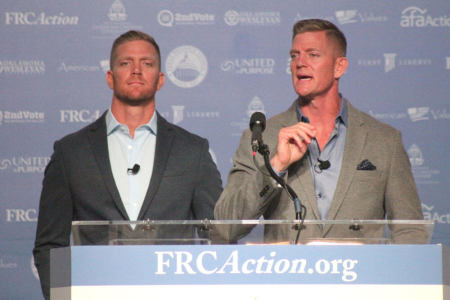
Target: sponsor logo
[(392, 61), (187, 263), (426, 113), (447, 65), (7, 265), (21, 215), (22, 67), (422, 173), (414, 16), (179, 114), (64, 67), (353, 16), (22, 116), (263, 66), (21, 164), (233, 18), (255, 105), (117, 12), (42, 18), (186, 66), (388, 115), (115, 23), (418, 113), (168, 19), (430, 214), (78, 116)]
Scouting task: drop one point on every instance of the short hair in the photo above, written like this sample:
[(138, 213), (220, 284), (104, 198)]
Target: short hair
[(309, 25), (132, 35)]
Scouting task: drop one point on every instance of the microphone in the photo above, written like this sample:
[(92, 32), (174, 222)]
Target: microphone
[(257, 126), (321, 165), (134, 170)]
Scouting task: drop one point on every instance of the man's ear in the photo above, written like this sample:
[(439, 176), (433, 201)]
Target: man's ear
[(110, 79), (340, 66)]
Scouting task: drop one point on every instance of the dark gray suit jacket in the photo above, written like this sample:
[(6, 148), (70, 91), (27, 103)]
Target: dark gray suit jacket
[(79, 185), (387, 192)]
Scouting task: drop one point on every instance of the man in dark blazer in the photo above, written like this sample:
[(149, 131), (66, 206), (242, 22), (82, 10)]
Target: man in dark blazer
[(130, 164), (342, 163)]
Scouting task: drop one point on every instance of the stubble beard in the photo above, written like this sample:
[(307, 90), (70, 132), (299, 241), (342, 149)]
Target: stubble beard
[(132, 101)]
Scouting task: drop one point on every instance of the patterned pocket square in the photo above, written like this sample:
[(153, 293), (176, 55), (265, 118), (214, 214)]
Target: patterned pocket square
[(366, 165)]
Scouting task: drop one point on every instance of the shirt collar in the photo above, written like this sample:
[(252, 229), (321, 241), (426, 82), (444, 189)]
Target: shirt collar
[(341, 117), (113, 125)]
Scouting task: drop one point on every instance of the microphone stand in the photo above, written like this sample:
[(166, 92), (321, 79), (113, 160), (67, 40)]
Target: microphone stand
[(300, 210)]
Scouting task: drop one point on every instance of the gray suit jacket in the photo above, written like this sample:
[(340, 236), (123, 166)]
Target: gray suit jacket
[(387, 192), (79, 185)]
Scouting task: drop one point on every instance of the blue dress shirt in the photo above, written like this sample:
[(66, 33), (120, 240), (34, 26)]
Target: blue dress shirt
[(124, 153)]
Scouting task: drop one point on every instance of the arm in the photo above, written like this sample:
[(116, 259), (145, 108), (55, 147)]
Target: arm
[(55, 216), (401, 198)]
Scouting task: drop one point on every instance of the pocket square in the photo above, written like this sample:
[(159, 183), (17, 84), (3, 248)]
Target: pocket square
[(366, 165)]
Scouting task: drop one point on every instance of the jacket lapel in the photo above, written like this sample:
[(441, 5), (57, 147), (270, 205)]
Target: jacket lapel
[(164, 139), (354, 145), (99, 143), (299, 173)]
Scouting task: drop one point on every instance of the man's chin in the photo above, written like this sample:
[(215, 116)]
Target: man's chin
[(135, 101)]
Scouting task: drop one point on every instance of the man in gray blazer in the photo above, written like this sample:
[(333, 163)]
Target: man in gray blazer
[(342, 163), (130, 164)]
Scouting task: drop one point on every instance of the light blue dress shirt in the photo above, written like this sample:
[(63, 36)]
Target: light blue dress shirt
[(325, 180), (124, 153)]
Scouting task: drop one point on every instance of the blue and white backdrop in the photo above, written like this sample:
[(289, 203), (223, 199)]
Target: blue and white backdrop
[(223, 60)]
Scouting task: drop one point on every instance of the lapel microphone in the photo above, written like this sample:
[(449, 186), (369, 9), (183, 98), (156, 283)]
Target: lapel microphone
[(134, 170), (321, 165)]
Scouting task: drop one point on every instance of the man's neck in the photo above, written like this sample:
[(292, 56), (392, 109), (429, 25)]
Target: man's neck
[(132, 116), (322, 110)]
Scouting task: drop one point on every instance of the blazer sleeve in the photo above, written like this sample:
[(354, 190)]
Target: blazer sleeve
[(55, 217), (208, 185), (401, 197)]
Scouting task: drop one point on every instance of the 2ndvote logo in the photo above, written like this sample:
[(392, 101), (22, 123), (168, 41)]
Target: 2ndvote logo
[(414, 16), (260, 18), (22, 164), (186, 66), (21, 116), (39, 18), (168, 19)]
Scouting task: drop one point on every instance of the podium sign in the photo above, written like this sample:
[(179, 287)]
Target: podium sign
[(250, 272)]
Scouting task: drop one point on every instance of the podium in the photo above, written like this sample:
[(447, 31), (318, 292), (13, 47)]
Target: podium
[(195, 260)]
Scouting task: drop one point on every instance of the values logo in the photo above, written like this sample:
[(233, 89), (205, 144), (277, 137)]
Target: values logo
[(233, 18), (414, 16), (419, 113), (354, 16), (186, 66)]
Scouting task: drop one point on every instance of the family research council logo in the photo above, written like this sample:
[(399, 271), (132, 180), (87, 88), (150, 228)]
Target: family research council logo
[(263, 66), (78, 116), (115, 22), (168, 19), (22, 116), (263, 18), (21, 164), (41, 18), (414, 16), (22, 67), (186, 66)]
